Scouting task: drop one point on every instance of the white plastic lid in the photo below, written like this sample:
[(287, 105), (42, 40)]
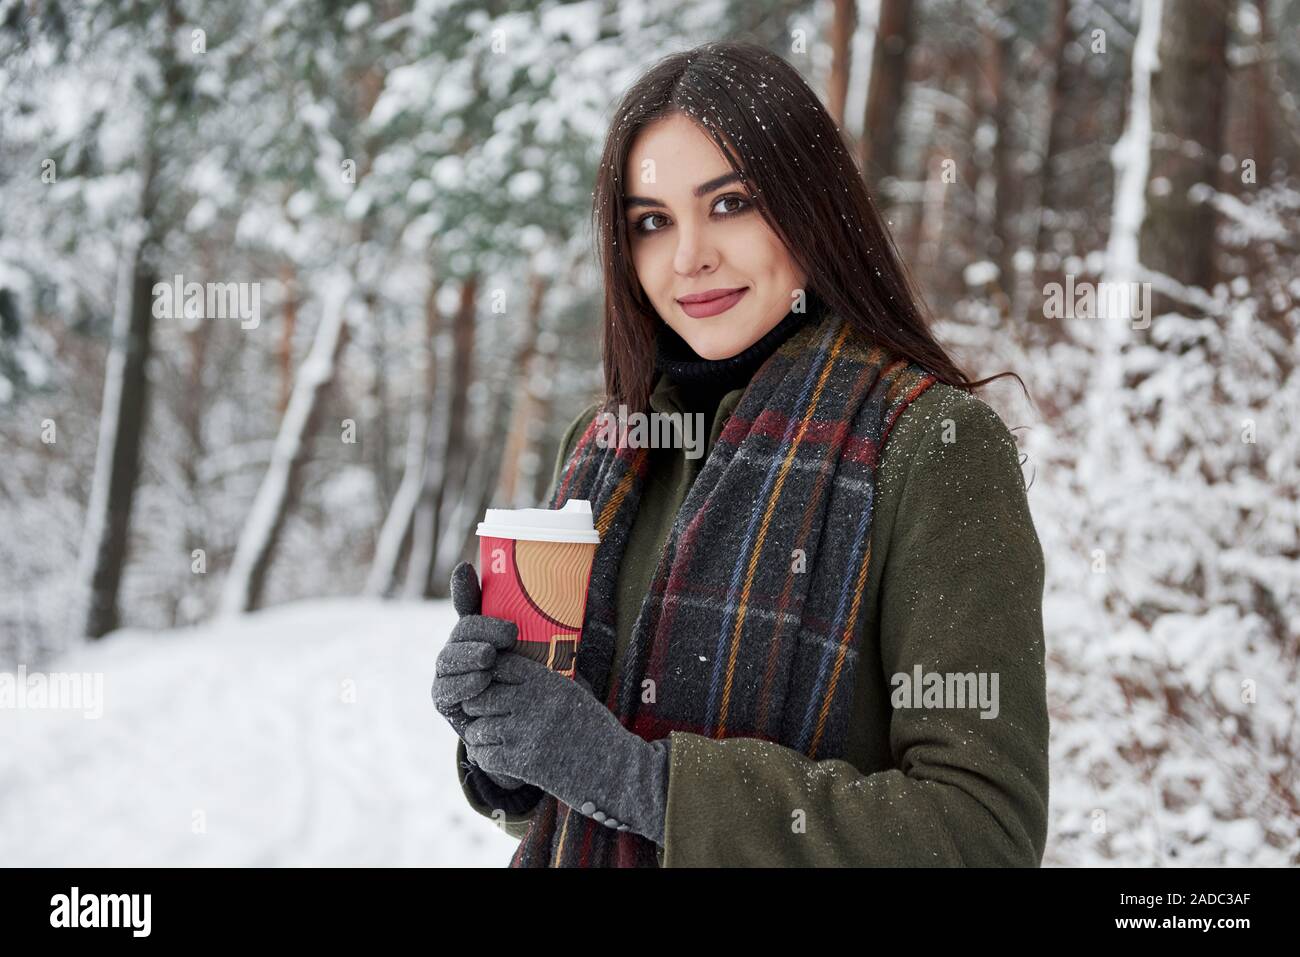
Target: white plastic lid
[(572, 523)]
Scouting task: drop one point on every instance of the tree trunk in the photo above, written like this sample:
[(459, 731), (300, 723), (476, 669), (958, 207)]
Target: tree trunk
[(276, 496), (882, 128), (459, 454), (378, 448), (192, 407), (1049, 218), (1109, 436), (843, 20), (397, 533), (450, 456), (289, 279), (121, 425), (1262, 102), (1187, 115), (524, 411), (997, 106), (457, 539), (1056, 117)]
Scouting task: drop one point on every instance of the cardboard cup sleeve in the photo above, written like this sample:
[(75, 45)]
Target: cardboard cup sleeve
[(534, 570)]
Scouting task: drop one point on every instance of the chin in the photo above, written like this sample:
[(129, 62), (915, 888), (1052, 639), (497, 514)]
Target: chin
[(714, 349), (717, 337)]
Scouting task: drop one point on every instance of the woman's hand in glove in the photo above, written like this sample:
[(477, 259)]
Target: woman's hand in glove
[(535, 724), (464, 666)]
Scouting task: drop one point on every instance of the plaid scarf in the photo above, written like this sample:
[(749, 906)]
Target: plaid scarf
[(750, 623)]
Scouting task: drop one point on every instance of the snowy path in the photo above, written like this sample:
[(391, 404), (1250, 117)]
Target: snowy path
[(233, 744)]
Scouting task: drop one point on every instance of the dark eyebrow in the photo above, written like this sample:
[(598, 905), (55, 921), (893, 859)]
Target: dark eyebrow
[(702, 190)]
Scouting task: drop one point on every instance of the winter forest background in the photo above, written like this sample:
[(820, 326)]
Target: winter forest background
[(408, 188)]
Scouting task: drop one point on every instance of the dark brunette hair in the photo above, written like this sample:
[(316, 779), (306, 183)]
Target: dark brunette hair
[(802, 178)]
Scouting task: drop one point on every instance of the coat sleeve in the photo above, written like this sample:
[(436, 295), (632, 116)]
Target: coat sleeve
[(515, 823), (960, 592)]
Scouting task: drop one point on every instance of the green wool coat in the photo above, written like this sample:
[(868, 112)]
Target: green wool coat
[(955, 585)]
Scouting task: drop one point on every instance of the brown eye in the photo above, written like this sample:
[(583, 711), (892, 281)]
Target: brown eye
[(640, 225), (742, 204)]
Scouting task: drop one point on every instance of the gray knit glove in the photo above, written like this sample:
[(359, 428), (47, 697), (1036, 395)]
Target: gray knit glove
[(536, 724), (464, 666)]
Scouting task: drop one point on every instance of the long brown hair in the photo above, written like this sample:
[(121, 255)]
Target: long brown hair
[(805, 183)]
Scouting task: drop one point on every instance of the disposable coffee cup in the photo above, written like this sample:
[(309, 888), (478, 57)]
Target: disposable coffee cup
[(534, 570)]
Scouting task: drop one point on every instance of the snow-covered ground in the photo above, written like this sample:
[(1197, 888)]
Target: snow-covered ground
[(305, 735), (300, 735)]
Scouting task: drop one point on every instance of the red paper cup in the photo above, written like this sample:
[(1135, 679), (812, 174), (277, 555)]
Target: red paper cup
[(534, 569)]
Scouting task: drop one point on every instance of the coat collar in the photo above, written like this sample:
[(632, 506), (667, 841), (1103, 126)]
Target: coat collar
[(664, 397)]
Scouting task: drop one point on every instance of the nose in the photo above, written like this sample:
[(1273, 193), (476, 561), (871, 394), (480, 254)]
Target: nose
[(694, 251)]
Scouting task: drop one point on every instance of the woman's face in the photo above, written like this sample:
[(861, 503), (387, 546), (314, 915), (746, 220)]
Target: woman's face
[(694, 231)]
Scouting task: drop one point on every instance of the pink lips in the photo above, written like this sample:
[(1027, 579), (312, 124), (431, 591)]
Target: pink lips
[(711, 303)]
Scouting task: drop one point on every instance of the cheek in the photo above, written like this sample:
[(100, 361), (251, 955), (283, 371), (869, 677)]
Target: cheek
[(641, 267), (779, 255), (653, 267), (761, 251)]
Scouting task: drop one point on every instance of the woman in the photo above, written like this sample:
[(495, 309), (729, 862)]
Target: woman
[(794, 646)]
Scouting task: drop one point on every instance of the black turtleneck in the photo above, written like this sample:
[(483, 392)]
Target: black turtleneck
[(703, 382)]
